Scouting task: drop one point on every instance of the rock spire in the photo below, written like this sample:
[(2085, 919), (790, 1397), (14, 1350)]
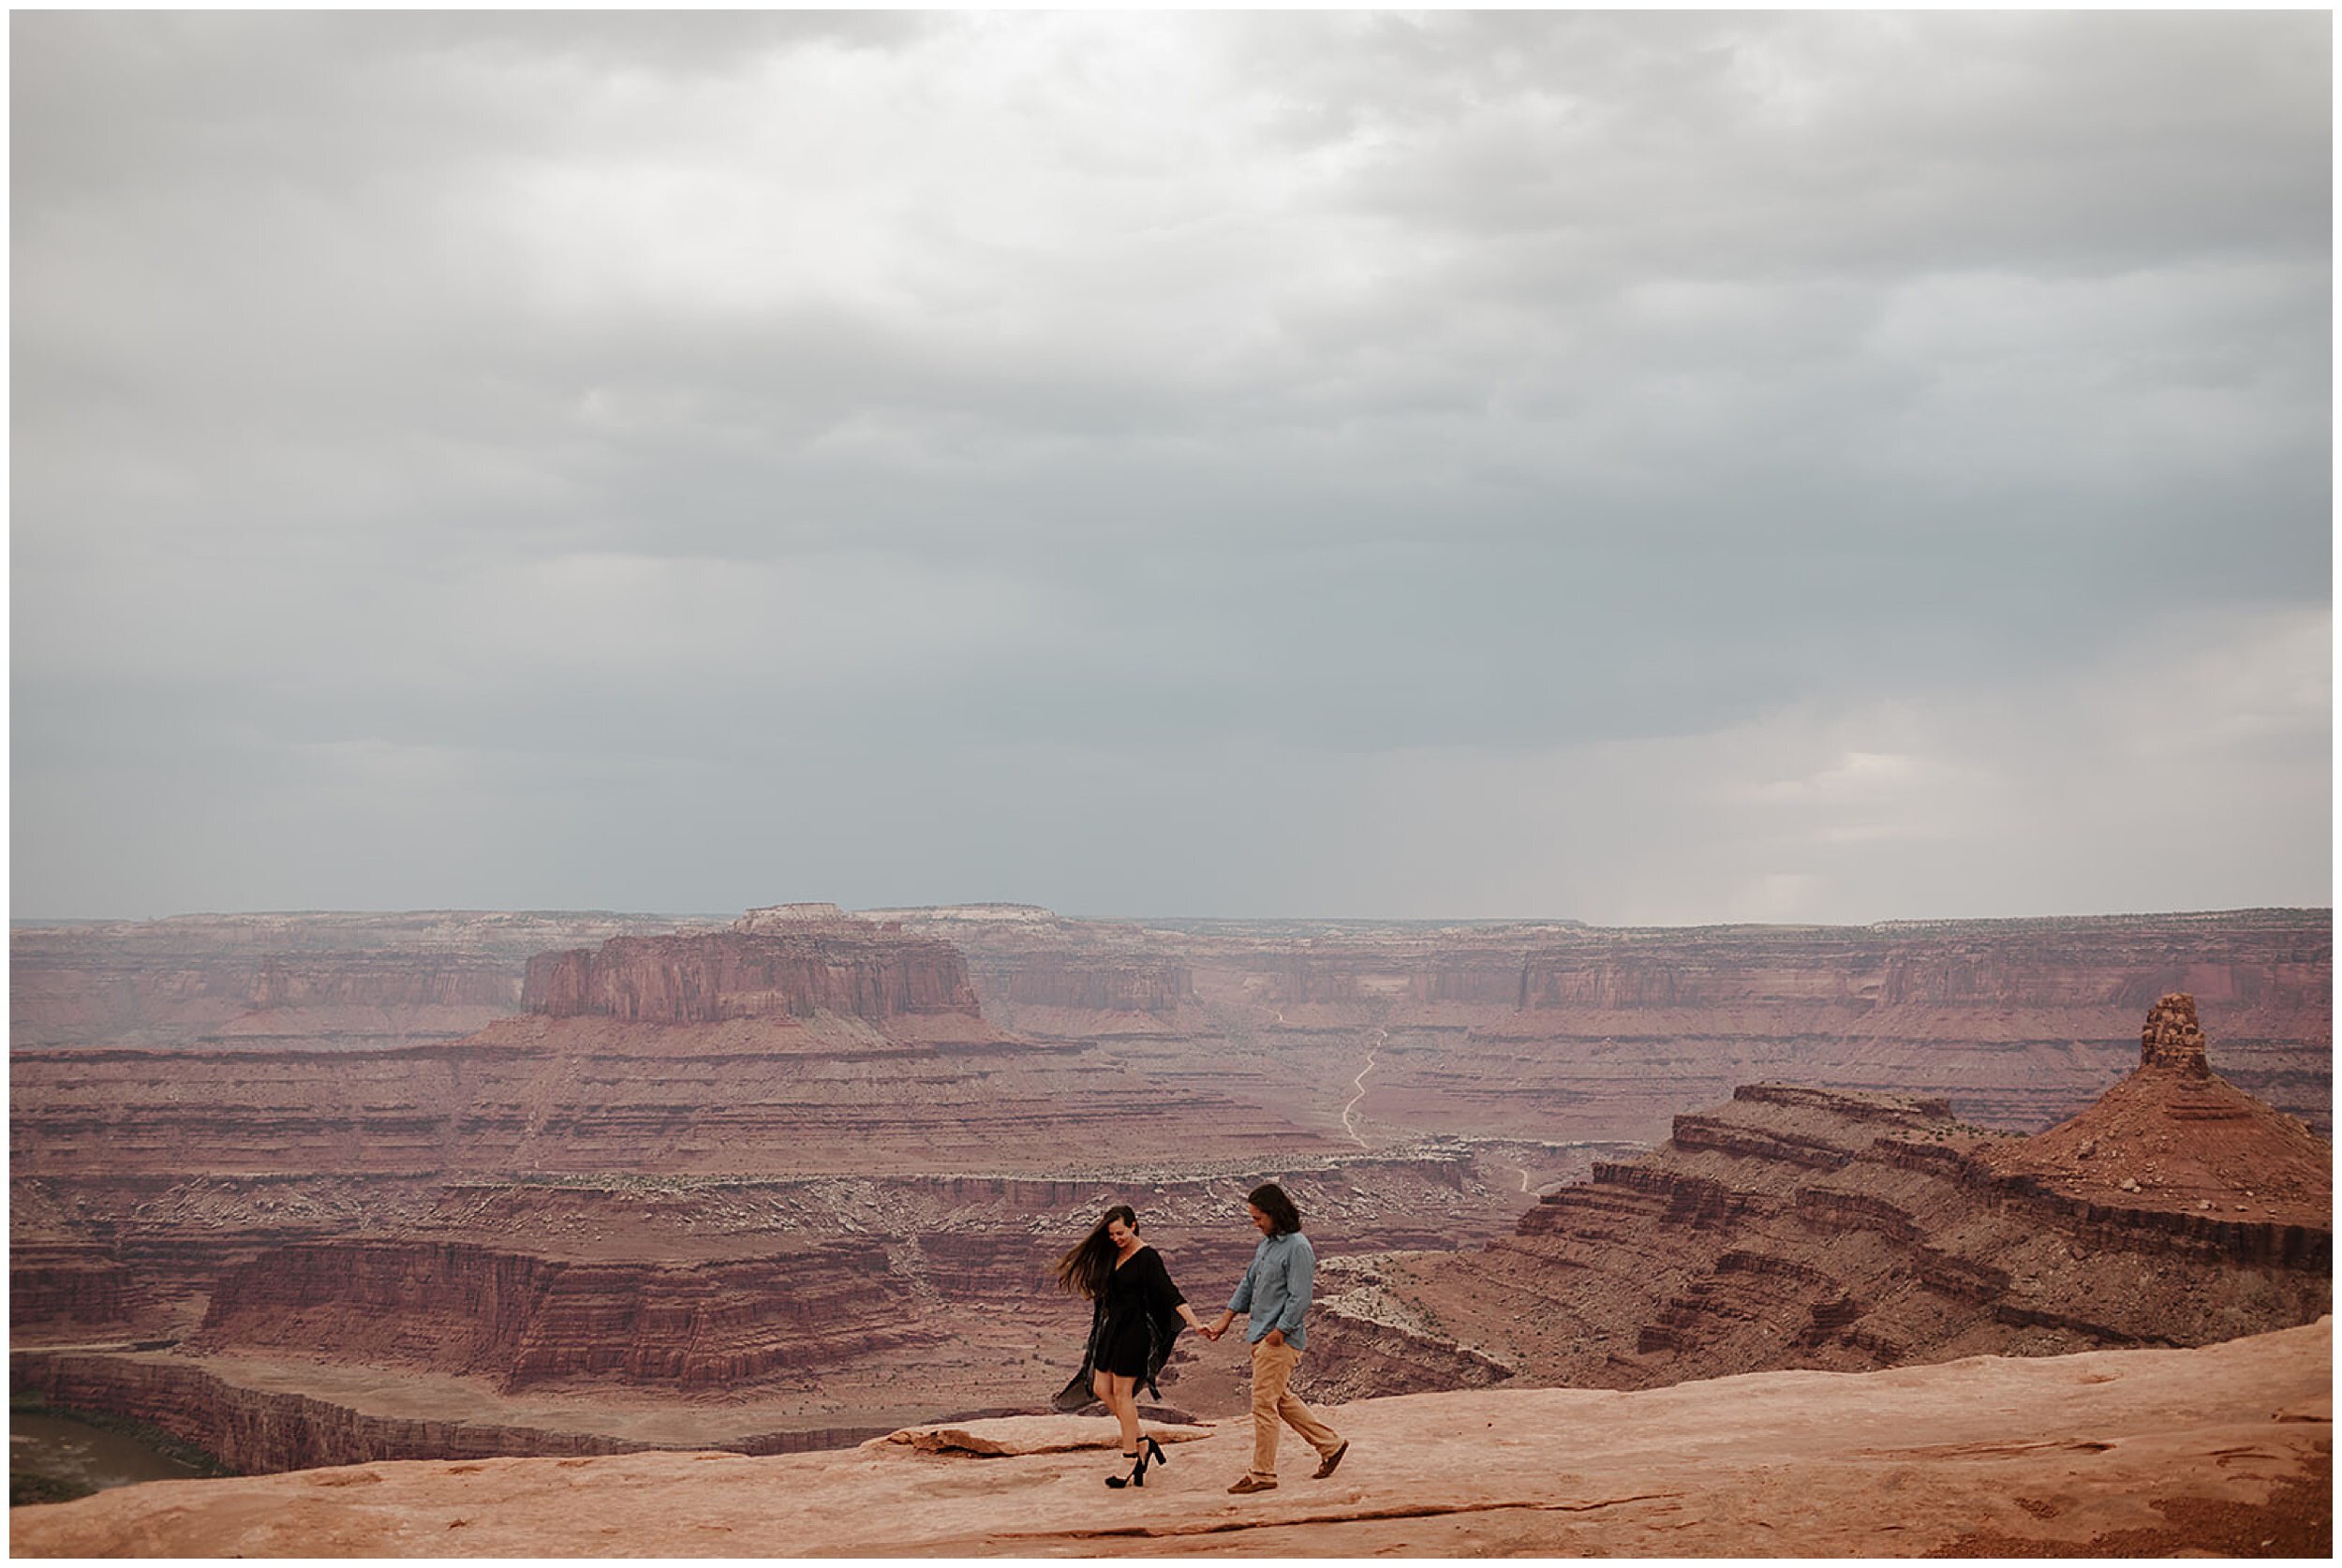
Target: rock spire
[(2172, 1039)]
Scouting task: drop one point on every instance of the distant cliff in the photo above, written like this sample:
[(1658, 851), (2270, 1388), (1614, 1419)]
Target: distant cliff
[(735, 974), (2275, 960), (320, 981), (1102, 987)]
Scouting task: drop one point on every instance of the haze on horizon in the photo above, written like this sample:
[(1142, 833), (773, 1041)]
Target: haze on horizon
[(1648, 468)]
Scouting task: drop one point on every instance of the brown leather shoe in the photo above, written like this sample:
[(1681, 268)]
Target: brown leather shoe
[(1251, 1484), (1326, 1466)]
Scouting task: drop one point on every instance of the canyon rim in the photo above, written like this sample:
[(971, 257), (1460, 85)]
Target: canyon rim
[(333, 1191)]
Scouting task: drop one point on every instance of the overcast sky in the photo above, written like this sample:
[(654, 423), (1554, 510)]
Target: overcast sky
[(1645, 468)]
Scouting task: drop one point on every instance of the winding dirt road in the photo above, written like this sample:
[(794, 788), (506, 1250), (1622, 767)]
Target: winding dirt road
[(1357, 1086)]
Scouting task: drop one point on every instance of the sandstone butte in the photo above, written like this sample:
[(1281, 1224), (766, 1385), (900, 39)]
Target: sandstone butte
[(2226, 1449)]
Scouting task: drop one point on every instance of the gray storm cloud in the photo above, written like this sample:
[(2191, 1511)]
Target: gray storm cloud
[(1660, 467)]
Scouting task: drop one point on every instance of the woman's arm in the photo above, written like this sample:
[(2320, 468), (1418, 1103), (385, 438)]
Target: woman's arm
[(1167, 1293)]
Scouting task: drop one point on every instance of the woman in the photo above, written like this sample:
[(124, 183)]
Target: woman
[(1135, 1317)]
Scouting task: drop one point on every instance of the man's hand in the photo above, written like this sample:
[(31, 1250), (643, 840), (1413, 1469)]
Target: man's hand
[(1274, 1336)]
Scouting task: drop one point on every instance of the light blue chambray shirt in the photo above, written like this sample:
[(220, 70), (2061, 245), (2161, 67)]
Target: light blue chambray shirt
[(1275, 1289)]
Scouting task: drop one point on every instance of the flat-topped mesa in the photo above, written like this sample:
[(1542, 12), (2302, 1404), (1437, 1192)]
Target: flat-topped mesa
[(2172, 1038), (850, 971), (786, 918), (964, 914)]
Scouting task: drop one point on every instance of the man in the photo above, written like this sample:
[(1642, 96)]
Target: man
[(1276, 1292)]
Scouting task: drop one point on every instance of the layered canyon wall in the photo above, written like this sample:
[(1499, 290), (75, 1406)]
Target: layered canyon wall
[(311, 981), (517, 1318), (709, 979), (957, 1092), (1799, 1227), (733, 1313), (1560, 1030), (74, 1289), (1159, 987), (2017, 1021), (261, 1431)]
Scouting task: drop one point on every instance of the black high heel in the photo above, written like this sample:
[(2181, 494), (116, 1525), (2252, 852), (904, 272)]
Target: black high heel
[(1151, 1442), (1138, 1477)]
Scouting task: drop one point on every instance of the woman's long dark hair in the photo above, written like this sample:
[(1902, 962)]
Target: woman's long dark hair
[(1089, 1266), (1270, 1200)]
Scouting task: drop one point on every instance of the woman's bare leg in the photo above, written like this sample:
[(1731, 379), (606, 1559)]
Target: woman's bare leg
[(1123, 1401), (1102, 1384), (1114, 1393)]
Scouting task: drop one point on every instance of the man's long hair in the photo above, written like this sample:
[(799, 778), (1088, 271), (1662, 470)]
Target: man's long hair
[(1089, 1265), (1270, 1199)]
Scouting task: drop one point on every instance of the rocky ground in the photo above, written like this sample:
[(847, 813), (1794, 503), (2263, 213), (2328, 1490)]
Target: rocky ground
[(2225, 1450)]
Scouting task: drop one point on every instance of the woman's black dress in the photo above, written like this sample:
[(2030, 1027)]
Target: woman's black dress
[(1138, 1294), (1131, 1326)]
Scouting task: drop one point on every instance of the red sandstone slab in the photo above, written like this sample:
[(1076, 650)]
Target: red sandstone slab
[(2224, 1449)]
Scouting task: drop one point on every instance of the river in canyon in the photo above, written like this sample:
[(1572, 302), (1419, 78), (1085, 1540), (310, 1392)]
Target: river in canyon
[(59, 1448)]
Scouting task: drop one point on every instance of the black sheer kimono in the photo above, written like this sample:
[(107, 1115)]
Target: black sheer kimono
[(1131, 1327)]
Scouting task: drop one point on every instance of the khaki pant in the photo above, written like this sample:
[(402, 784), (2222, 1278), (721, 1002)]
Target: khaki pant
[(1272, 1401)]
